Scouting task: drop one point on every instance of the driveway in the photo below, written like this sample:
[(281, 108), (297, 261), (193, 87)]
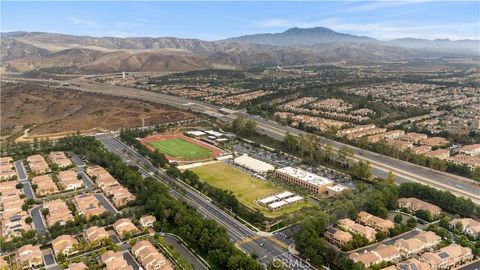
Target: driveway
[(28, 190), (86, 180), (77, 159)]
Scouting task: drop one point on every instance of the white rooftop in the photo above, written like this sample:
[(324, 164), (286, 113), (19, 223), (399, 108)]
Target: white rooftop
[(214, 133), (268, 200), (303, 175), (196, 133), (277, 204), (253, 164), (284, 194), (294, 199)]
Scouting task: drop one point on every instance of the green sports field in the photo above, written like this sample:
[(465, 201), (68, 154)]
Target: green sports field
[(179, 148), (246, 188)]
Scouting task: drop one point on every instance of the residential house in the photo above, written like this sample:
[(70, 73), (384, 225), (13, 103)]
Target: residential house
[(124, 226), (439, 153), (64, 244), (375, 222), (60, 159), (409, 247), (45, 185), (387, 253), (147, 221), (367, 259), (469, 226), (77, 266), (414, 204), (28, 256), (114, 261), (447, 257), (434, 141), (95, 234), (471, 150), (7, 169), (149, 257), (413, 264), (350, 226), (69, 181), (338, 237), (57, 212), (38, 164), (88, 205)]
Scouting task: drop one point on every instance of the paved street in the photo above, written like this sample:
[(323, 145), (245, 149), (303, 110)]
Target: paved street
[(86, 180), (130, 260), (36, 214), (473, 266), (264, 248), (105, 203), (22, 174), (178, 246), (77, 159)]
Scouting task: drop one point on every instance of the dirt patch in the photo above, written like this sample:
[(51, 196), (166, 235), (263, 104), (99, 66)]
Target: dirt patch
[(53, 110)]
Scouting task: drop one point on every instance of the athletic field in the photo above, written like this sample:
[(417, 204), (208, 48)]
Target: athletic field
[(246, 188), (179, 148)]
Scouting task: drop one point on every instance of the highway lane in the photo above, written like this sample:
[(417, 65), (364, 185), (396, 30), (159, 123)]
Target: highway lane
[(406, 171), (267, 250)]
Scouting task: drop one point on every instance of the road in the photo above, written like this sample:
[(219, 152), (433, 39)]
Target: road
[(381, 164), (106, 203), (177, 244), (266, 248), (38, 221)]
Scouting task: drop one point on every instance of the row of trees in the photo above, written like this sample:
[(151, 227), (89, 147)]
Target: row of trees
[(443, 199), (172, 215)]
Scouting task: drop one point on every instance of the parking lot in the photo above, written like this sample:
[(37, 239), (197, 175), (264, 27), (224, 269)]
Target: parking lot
[(276, 159)]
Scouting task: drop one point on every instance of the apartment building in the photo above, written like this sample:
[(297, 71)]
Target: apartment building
[(149, 257), (413, 264), (415, 245), (114, 261), (413, 137), (124, 226), (314, 183), (471, 150), (119, 195), (68, 180), (439, 153), (414, 204), (57, 212), (7, 169), (434, 141), (60, 159), (350, 226), (387, 253), (38, 164), (88, 205), (470, 226), (393, 134), (95, 234), (448, 257), (375, 222), (367, 259), (147, 221), (45, 185), (338, 237), (64, 244), (28, 256), (421, 150), (399, 144), (469, 161)]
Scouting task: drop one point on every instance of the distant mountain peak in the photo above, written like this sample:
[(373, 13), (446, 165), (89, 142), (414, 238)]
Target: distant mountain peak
[(319, 30)]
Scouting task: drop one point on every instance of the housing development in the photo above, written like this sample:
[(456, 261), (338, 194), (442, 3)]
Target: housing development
[(179, 146)]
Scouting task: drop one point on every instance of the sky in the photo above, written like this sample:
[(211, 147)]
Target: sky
[(216, 20)]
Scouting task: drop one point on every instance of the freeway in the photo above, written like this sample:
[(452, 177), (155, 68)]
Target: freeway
[(381, 165), (266, 248)]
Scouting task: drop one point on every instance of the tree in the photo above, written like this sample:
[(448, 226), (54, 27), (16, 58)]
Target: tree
[(239, 124), (398, 218), (290, 142), (19, 186), (345, 154), (45, 211), (476, 174), (411, 222), (25, 207), (362, 170), (29, 220), (391, 177), (250, 128)]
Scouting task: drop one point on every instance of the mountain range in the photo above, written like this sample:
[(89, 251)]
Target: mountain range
[(26, 51)]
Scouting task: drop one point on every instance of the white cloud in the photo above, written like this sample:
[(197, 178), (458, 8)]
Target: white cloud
[(86, 23)]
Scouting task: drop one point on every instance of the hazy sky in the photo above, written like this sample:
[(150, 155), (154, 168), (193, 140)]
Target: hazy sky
[(218, 20)]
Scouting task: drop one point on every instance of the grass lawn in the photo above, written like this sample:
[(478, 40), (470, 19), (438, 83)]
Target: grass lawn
[(246, 188), (179, 148)]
